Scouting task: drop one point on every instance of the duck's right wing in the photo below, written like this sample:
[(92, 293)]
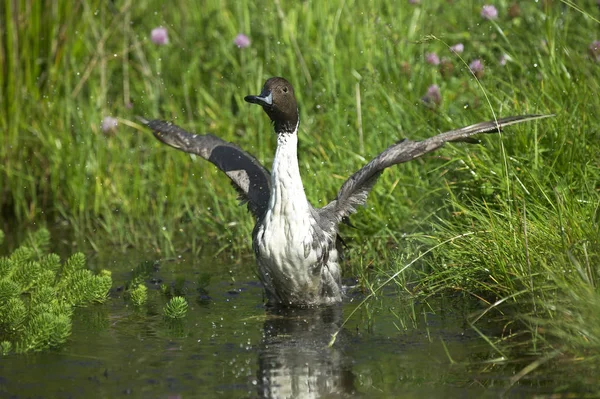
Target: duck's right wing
[(249, 177)]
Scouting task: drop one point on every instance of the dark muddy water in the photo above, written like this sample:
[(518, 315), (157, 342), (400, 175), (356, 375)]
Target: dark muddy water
[(231, 346)]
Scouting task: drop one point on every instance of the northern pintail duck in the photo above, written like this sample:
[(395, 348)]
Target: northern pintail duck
[(296, 244)]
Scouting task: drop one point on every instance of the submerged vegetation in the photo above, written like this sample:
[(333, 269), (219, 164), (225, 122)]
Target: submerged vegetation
[(176, 305), (176, 308), (38, 294), (512, 223)]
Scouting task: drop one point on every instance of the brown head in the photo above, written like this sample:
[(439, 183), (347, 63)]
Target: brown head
[(279, 102)]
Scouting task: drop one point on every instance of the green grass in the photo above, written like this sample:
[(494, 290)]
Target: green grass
[(523, 206), (96, 60)]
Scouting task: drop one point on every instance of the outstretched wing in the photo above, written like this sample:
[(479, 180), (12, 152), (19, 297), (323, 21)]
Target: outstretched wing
[(249, 177), (355, 190)]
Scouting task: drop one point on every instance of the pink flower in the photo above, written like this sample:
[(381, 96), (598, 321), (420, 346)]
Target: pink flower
[(432, 58), (418, 1), (457, 48), (594, 50), (476, 67), (504, 59), (433, 95), (242, 41), (159, 36), (109, 124), (489, 12)]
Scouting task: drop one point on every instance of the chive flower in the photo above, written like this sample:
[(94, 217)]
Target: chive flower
[(432, 58), (242, 41), (433, 95), (457, 48), (489, 12), (159, 36), (476, 67), (109, 124)]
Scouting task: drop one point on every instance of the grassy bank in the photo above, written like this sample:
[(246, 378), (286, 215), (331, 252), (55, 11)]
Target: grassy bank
[(71, 66), (522, 208)]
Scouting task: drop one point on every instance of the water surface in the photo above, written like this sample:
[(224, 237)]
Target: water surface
[(231, 346)]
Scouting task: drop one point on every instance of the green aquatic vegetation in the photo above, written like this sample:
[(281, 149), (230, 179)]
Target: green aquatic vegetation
[(136, 286), (169, 294), (176, 308), (164, 289), (139, 295), (38, 294)]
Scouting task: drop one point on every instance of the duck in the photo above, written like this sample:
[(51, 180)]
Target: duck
[(296, 245)]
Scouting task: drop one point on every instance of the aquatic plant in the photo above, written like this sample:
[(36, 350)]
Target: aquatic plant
[(176, 308), (38, 294), (139, 295)]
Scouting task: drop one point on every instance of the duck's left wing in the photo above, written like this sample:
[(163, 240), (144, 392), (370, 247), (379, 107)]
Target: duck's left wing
[(355, 190), (249, 177)]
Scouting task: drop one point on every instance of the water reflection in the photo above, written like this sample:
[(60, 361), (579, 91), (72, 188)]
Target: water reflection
[(294, 359)]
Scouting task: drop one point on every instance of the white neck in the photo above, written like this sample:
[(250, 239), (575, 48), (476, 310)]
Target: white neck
[(287, 193)]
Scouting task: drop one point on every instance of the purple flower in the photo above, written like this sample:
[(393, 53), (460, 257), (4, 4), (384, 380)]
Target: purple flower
[(433, 95), (159, 36), (242, 41), (489, 12), (432, 58), (476, 67), (594, 50), (457, 48), (418, 1), (109, 124)]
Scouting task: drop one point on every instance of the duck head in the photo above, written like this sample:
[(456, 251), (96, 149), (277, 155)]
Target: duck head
[(278, 100)]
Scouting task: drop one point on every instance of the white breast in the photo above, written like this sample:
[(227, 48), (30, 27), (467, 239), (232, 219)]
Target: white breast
[(284, 240), (297, 261)]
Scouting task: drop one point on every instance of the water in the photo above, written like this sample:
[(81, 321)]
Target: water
[(231, 346)]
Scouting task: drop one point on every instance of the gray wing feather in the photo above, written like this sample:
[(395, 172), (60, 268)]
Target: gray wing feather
[(249, 177), (355, 190)]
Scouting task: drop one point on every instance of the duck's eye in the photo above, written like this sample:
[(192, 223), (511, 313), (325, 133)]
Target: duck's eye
[(285, 89)]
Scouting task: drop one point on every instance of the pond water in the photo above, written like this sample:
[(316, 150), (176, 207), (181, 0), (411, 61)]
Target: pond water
[(231, 346)]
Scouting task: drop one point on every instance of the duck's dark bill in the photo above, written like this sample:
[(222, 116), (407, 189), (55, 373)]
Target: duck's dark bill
[(261, 99)]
